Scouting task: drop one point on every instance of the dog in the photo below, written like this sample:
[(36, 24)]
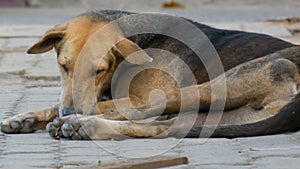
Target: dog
[(260, 95)]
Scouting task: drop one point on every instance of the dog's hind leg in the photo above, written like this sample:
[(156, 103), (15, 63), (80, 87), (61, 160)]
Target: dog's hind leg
[(254, 83), (29, 122)]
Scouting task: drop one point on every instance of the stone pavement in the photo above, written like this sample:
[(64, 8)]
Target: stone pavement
[(31, 82)]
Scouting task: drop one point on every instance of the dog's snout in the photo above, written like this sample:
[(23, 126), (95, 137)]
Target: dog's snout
[(70, 111)]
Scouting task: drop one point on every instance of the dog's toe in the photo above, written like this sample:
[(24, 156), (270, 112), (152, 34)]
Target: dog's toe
[(15, 124), (54, 128), (67, 130), (28, 125), (70, 129), (6, 127)]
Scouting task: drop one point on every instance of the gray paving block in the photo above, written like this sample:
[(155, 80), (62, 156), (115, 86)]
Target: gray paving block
[(9, 97), (29, 107), (50, 90), (6, 80), (3, 42), (45, 65), (31, 65), (265, 142), (139, 148), (19, 44), (12, 163), (84, 159), (16, 62), (277, 162), (219, 166), (257, 27), (23, 31), (32, 156), (215, 152), (29, 151), (289, 150), (30, 139), (84, 151)]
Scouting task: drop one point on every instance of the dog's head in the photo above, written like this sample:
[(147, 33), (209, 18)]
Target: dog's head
[(87, 59)]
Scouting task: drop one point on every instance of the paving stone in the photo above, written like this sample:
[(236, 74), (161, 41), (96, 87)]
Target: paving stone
[(16, 62), (3, 42), (257, 27), (9, 97), (214, 152), (7, 80), (11, 163), (23, 31), (277, 162), (224, 166), (84, 159), (91, 150), (19, 44), (29, 151), (30, 139), (134, 148), (290, 151), (30, 156), (265, 142), (45, 65), (31, 65)]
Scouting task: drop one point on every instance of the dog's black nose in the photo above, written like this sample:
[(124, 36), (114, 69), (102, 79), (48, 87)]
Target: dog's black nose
[(70, 111)]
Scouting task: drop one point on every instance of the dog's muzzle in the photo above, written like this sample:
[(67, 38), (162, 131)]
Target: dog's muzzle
[(70, 111)]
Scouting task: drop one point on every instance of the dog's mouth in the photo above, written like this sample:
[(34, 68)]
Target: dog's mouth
[(66, 111)]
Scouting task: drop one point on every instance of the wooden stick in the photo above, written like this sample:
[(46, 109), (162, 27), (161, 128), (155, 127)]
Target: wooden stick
[(145, 163)]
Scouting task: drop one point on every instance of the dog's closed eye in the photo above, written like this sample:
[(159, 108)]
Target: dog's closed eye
[(99, 71)]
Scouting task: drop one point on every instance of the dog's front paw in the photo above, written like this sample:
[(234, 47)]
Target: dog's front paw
[(65, 127), (82, 128), (22, 123)]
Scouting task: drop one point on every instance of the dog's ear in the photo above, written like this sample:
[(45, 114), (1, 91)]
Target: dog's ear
[(48, 41), (125, 48)]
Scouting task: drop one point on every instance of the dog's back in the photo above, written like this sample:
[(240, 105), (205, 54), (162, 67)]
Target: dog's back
[(233, 47)]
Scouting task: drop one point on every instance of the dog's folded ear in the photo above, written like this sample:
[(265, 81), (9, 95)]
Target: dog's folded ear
[(48, 41), (126, 49)]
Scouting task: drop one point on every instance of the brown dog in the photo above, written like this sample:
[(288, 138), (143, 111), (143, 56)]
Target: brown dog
[(261, 78)]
